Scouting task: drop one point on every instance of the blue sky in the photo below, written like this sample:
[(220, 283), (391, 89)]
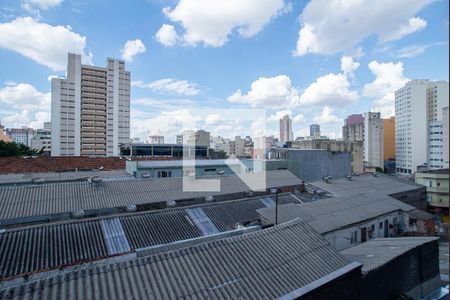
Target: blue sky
[(318, 61)]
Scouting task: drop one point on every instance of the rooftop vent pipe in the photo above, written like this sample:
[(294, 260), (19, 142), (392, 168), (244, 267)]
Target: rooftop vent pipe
[(327, 178), (96, 181), (131, 208), (77, 214), (38, 180)]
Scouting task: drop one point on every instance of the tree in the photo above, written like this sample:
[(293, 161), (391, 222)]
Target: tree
[(13, 149)]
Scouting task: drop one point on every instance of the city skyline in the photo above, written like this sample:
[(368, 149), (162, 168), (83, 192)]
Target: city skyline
[(177, 66)]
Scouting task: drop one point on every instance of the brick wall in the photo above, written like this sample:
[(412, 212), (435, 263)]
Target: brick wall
[(58, 164)]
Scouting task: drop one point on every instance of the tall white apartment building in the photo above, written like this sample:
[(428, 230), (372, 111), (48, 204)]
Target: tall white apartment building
[(373, 140), (90, 109), (286, 133), (418, 126)]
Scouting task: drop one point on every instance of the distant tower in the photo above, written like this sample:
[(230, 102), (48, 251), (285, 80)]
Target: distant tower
[(374, 139), (314, 130), (286, 134)]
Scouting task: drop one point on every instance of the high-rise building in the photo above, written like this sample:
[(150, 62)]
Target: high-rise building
[(373, 140), (418, 125), (42, 139), (22, 135), (286, 133), (91, 109), (156, 139), (353, 129), (389, 138), (314, 130)]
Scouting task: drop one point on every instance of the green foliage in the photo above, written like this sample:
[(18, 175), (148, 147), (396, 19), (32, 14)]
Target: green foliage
[(13, 149)]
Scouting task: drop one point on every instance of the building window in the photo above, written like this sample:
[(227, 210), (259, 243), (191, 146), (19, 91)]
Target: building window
[(164, 174), (380, 225), (354, 237)]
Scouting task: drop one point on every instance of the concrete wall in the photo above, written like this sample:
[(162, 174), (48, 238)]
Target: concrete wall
[(312, 165)]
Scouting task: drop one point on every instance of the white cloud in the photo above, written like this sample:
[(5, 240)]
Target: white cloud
[(276, 92), (167, 35), (298, 118), (167, 123), (348, 66), (131, 49), (213, 119), (268, 92), (170, 86), (23, 96), (26, 105), (279, 115), (415, 50), (331, 26), (275, 118), (211, 22), (330, 89), (413, 24), (31, 5), (356, 52), (165, 104), (46, 44), (327, 117), (389, 77)]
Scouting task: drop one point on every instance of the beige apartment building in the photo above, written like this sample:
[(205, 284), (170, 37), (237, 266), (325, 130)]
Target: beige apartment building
[(90, 109), (437, 183)]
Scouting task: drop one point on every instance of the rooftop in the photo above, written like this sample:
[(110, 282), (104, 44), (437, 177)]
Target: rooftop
[(237, 267), (77, 242), (375, 253), (43, 202), (366, 183), (332, 213), (354, 201), (53, 177)]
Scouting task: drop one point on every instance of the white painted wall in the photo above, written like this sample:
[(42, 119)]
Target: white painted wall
[(341, 239)]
